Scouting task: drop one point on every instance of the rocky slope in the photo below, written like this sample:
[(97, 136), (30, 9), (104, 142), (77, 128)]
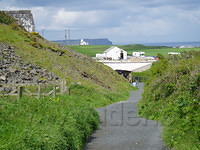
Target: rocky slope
[(14, 70)]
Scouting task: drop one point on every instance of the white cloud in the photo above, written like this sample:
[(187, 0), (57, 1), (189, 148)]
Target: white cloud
[(6, 4), (120, 20), (77, 18), (139, 31), (57, 19)]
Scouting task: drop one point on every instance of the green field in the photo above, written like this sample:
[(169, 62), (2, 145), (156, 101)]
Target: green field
[(92, 50)]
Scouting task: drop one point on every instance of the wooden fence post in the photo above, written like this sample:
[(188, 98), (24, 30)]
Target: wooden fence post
[(69, 91), (20, 92), (63, 86), (54, 91), (39, 91)]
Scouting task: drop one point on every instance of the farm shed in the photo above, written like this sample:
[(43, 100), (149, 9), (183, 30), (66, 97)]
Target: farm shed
[(113, 53)]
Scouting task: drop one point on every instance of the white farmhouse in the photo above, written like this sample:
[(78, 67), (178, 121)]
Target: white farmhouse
[(138, 54), (82, 42), (113, 53)]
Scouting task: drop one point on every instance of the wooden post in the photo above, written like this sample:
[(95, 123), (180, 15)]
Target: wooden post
[(69, 91), (39, 91), (20, 92), (63, 87), (54, 91)]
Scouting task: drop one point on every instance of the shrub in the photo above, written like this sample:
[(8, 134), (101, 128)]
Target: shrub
[(6, 19), (36, 34), (36, 44)]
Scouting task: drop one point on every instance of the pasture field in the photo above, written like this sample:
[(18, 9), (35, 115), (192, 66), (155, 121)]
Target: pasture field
[(92, 50)]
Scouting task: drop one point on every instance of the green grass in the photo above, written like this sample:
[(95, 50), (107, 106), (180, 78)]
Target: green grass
[(90, 50), (64, 122), (149, 50), (61, 123), (171, 96), (163, 51)]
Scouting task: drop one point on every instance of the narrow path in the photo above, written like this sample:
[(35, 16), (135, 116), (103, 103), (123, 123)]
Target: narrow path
[(122, 129)]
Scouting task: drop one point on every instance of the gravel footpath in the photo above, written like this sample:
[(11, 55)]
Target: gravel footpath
[(122, 129)]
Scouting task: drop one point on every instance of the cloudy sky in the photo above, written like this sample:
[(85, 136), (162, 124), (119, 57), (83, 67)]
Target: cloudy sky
[(122, 21)]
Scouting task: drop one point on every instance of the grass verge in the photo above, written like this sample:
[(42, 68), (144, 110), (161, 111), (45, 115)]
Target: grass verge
[(172, 96)]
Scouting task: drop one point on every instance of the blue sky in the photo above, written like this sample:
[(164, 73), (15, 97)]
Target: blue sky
[(122, 21)]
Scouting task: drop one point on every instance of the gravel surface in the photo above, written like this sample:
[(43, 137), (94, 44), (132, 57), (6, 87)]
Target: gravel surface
[(122, 129)]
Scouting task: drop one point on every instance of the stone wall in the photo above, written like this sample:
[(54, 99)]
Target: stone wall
[(13, 70), (24, 18)]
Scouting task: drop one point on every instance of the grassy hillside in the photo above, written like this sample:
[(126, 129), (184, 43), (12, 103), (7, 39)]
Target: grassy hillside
[(91, 50), (172, 95), (66, 64), (66, 121)]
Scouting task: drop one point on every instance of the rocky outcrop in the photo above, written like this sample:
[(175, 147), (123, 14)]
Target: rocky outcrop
[(13, 70), (24, 18)]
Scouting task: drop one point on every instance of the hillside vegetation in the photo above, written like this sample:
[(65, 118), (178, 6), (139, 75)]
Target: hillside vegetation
[(172, 95), (92, 50), (66, 121), (66, 64), (5, 19)]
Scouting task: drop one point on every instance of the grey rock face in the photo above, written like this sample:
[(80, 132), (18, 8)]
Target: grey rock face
[(13, 70)]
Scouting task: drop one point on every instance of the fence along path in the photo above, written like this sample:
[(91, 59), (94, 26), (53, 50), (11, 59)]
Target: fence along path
[(19, 90)]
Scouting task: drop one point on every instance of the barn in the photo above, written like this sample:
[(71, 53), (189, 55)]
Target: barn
[(113, 53)]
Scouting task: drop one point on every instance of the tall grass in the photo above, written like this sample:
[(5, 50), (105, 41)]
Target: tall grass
[(46, 124)]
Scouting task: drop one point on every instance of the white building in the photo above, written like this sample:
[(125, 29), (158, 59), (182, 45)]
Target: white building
[(138, 54), (174, 53), (113, 53), (186, 46), (82, 42)]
